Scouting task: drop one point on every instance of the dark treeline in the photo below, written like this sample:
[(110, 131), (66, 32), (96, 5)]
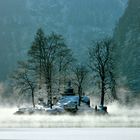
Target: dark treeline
[(50, 65)]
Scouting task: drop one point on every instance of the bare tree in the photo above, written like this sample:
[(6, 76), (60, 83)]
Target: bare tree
[(101, 65), (23, 80), (80, 74), (64, 63), (53, 45)]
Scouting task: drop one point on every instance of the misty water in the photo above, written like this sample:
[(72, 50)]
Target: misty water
[(119, 116)]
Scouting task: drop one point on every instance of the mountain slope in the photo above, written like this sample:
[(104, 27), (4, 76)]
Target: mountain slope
[(79, 21), (127, 36)]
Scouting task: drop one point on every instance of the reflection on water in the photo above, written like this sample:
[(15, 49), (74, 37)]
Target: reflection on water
[(118, 117)]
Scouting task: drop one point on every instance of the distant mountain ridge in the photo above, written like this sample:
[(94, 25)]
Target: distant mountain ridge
[(80, 21)]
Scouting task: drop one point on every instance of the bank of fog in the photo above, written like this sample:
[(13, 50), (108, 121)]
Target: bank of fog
[(119, 115)]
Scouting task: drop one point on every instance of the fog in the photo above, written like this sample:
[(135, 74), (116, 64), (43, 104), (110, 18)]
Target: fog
[(119, 116)]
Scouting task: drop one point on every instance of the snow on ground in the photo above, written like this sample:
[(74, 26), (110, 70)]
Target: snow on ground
[(119, 116), (66, 99), (64, 105)]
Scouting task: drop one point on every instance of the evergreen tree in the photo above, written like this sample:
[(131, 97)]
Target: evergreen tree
[(44, 55), (36, 55)]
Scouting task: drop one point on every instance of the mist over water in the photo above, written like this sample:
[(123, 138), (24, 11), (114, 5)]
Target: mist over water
[(119, 116)]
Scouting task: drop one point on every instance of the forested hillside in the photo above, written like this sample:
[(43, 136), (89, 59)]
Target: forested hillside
[(78, 21), (127, 36)]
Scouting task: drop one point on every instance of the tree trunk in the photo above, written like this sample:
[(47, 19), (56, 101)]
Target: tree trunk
[(102, 92), (79, 93), (59, 84), (114, 94), (49, 94), (49, 89), (102, 99), (33, 101)]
